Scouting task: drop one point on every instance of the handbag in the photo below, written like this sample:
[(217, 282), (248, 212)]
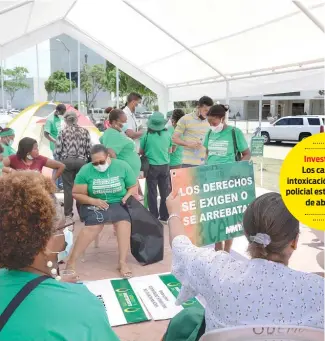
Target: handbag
[(144, 160), (19, 298), (237, 152), (188, 325), (147, 234)]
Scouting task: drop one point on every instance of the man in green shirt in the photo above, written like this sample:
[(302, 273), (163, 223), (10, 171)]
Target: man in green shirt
[(53, 125), (52, 129)]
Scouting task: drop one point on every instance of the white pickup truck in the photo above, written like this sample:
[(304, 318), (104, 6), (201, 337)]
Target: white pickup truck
[(293, 128)]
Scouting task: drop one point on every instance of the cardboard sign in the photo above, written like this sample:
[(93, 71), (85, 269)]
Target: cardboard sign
[(214, 199), (120, 301), (257, 146), (159, 293)]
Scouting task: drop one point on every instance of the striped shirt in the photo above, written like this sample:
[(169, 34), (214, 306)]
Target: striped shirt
[(73, 142), (193, 129)]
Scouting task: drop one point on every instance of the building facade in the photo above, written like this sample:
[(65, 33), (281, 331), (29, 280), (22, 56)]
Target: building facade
[(60, 61)]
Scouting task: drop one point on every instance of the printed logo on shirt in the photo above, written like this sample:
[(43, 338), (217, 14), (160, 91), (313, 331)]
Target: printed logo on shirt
[(218, 148), (111, 185)]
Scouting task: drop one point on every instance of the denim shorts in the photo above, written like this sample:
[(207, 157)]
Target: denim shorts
[(92, 215)]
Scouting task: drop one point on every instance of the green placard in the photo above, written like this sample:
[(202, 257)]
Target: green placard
[(174, 286), (257, 146), (214, 199), (128, 301)]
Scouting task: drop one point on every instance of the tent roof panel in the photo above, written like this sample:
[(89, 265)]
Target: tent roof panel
[(154, 40), (13, 23), (43, 10)]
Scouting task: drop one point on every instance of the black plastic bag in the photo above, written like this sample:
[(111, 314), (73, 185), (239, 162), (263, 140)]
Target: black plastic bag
[(147, 234)]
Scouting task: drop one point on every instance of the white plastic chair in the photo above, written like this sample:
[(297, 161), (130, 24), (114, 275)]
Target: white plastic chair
[(267, 333)]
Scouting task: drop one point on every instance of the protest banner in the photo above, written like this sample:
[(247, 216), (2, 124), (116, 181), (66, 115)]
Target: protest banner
[(257, 149), (120, 301), (257, 146), (159, 293), (214, 199)]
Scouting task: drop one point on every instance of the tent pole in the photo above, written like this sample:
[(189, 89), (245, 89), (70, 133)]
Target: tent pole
[(117, 89), (38, 79), (310, 15), (2, 85), (175, 39), (260, 110), (79, 107), (227, 98)]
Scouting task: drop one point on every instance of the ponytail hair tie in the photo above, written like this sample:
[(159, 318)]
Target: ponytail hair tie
[(261, 238)]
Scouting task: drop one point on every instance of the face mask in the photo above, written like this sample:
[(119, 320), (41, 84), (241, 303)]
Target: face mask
[(202, 118), (10, 143), (101, 168), (68, 236), (29, 157), (218, 128)]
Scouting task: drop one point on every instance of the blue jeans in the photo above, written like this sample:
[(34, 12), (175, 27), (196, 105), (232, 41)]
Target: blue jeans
[(58, 182)]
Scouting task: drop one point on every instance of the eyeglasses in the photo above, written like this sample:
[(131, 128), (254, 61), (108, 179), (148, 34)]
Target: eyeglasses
[(69, 226), (99, 163)]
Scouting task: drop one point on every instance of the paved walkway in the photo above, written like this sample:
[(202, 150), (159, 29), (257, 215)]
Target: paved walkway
[(100, 263)]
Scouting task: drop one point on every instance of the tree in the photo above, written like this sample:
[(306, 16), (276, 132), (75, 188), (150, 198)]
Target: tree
[(128, 84), (58, 83), (15, 79), (92, 81)]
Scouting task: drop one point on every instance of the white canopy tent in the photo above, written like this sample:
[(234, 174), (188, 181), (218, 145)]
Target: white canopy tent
[(182, 49)]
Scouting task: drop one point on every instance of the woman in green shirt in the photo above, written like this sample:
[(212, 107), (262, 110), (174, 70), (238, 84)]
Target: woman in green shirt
[(7, 136), (176, 155), (34, 238), (156, 144), (120, 146), (102, 187), (224, 144)]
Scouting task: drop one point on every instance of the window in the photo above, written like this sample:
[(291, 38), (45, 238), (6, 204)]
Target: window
[(324, 121), (74, 77), (282, 122), (313, 121), (296, 121)]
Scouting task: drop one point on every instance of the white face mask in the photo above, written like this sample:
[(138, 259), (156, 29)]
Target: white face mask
[(29, 157), (102, 168), (218, 128)]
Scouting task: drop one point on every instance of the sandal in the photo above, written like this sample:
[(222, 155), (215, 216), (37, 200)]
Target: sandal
[(125, 271)]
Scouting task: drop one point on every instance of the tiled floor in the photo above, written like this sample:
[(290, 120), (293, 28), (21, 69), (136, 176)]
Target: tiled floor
[(101, 263)]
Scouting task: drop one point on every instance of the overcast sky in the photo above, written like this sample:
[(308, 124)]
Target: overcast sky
[(27, 58)]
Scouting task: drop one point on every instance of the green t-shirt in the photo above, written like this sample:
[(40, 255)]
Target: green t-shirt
[(124, 148), (53, 126), (7, 151), (177, 156), (53, 311), (110, 185), (220, 146), (156, 147)]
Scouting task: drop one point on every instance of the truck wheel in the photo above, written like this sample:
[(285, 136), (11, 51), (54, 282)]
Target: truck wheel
[(303, 136), (266, 137)]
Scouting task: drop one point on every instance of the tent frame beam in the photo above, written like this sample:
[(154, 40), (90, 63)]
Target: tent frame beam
[(274, 21), (180, 85), (12, 8), (176, 40), (86, 39), (309, 14), (256, 73)]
